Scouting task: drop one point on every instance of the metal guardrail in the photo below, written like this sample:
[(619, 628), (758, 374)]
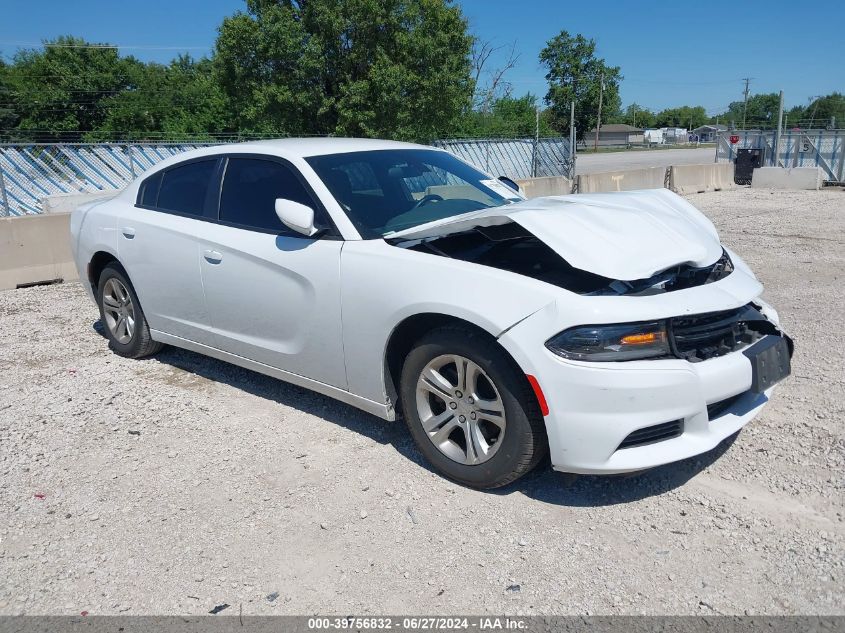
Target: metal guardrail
[(795, 148), (31, 172)]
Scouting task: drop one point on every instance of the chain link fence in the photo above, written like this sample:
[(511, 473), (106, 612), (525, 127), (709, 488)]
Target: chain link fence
[(31, 172), (515, 158), (795, 148)]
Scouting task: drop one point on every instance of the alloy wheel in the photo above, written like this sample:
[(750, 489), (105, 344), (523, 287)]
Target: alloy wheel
[(119, 311), (461, 409)]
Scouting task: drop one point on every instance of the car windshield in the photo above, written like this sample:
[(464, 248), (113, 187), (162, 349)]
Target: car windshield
[(385, 191)]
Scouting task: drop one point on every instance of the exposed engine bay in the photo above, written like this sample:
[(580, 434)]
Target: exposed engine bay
[(513, 248)]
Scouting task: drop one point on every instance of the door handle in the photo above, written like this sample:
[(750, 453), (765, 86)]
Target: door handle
[(128, 232), (212, 257)]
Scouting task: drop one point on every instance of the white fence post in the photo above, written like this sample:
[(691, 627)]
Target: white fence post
[(5, 211), (131, 161)]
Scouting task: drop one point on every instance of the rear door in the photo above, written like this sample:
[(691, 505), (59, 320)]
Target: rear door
[(273, 295), (157, 244)]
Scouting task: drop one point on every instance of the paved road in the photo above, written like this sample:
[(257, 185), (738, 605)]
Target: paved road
[(635, 159)]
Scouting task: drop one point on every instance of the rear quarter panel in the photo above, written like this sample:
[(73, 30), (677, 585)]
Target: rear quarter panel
[(93, 228)]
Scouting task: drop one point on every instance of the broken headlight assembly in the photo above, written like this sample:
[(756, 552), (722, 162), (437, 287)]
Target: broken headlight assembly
[(617, 342)]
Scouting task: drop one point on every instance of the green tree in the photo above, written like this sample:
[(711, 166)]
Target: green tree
[(761, 112), (575, 74), (177, 101), (60, 89), (8, 108), (379, 68), (689, 117), (793, 117), (635, 115), (820, 112), (508, 117)]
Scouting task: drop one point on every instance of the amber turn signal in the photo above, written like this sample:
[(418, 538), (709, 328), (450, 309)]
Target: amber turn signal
[(645, 338)]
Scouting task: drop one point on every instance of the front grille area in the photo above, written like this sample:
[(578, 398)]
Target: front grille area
[(652, 434), (703, 336)]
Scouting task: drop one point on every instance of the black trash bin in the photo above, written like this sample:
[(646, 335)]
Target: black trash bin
[(746, 161)]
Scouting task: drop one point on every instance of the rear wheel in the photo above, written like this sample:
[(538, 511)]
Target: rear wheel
[(470, 410), (120, 312)]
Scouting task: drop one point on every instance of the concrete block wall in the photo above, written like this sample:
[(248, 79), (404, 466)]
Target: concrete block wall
[(35, 249), (700, 178), (67, 202), (681, 179), (545, 186), (792, 178), (629, 180)]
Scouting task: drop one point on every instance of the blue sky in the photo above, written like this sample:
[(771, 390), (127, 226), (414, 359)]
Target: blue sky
[(671, 53)]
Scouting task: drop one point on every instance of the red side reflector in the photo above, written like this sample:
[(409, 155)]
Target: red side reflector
[(541, 399)]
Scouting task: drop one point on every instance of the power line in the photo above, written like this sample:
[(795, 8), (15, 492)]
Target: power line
[(149, 47), (679, 83)]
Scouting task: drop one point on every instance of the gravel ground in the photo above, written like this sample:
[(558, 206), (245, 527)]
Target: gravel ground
[(178, 483)]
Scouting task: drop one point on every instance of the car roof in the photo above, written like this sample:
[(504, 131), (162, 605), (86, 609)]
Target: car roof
[(287, 148), (290, 148), (317, 146)]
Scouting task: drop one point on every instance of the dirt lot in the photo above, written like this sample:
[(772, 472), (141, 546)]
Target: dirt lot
[(178, 483)]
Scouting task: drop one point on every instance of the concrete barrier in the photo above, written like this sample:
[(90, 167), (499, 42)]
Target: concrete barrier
[(545, 186), (67, 202), (629, 180), (35, 249), (701, 178), (792, 178)]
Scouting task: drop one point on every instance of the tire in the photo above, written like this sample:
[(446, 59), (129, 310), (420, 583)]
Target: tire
[(507, 446), (118, 304)]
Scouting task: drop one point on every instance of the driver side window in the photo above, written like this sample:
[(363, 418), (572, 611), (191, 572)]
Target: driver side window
[(250, 189)]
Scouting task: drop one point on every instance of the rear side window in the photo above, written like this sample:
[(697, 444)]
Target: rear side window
[(183, 188), (250, 189), (149, 191)]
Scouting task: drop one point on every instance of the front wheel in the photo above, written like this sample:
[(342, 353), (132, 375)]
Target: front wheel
[(470, 410)]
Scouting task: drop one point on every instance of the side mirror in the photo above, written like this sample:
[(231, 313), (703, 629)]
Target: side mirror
[(296, 216), (510, 183)]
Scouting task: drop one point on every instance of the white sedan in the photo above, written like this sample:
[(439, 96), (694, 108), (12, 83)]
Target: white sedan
[(612, 331)]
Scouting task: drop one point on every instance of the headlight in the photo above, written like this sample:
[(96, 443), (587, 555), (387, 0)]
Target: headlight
[(624, 341)]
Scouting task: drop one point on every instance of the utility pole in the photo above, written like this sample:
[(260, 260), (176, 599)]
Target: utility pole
[(815, 107), (536, 141), (745, 102), (573, 140), (776, 150), (598, 122)]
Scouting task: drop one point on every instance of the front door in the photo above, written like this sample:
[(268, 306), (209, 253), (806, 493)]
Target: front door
[(273, 295)]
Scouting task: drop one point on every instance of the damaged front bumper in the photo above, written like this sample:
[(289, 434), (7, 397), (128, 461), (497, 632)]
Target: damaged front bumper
[(615, 417)]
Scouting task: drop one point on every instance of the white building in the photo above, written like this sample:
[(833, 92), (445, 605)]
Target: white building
[(675, 135), (653, 137)]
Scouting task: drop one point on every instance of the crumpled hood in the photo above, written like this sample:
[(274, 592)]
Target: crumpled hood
[(626, 235)]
